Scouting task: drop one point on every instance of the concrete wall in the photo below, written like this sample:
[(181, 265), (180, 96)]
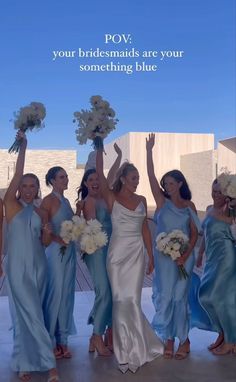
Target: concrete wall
[(38, 162), (200, 171), (227, 155), (167, 152)]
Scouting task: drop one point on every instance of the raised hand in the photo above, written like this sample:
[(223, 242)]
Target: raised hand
[(79, 207), (20, 135), (150, 142), (117, 149)]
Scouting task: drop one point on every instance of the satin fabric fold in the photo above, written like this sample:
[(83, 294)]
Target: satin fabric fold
[(59, 301), (217, 293), (170, 292), (133, 338), (101, 314), (26, 273)]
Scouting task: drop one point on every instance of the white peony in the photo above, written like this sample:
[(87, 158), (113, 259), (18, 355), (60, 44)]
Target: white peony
[(101, 239), (87, 244)]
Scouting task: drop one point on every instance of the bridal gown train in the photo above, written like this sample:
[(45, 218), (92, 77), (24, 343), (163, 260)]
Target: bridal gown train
[(134, 341)]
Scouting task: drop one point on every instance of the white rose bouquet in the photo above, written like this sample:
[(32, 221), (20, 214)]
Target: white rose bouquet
[(227, 182), (174, 245), (28, 118), (71, 230), (92, 237), (96, 123)]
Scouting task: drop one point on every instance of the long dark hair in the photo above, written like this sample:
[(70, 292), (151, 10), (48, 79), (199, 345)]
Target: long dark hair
[(83, 190), (122, 172), (33, 176), (51, 174), (184, 190)]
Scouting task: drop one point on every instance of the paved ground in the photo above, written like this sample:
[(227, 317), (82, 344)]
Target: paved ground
[(201, 366)]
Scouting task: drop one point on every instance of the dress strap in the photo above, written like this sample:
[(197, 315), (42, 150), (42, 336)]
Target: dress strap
[(59, 196)]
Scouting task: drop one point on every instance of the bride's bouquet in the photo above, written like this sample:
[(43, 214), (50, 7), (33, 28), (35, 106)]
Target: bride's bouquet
[(92, 237), (28, 118), (96, 123), (227, 182), (173, 244), (71, 230)]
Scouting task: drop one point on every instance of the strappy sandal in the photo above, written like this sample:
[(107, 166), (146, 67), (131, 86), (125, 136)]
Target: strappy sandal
[(65, 352), (183, 351), (219, 341), (54, 378), (230, 349), (169, 349), (168, 353), (58, 352), (24, 376)]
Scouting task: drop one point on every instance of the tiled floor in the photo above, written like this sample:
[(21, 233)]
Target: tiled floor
[(201, 366)]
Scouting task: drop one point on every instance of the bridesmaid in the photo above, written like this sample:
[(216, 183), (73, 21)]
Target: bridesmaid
[(217, 293), (170, 293), (94, 207), (1, 236), (26, 271), (135, 343), (59, 303)]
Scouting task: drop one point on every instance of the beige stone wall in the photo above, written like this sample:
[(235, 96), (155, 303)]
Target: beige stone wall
[(167, 153), (193, 154), (38, 162), (200, 171), (227, 156)]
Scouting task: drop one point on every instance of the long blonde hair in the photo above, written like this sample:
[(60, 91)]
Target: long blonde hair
[(122, 172)]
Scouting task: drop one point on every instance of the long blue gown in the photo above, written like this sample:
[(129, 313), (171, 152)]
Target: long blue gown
[(217, 293), (101, 314), (59, 302), (170, 292), (26, 272)]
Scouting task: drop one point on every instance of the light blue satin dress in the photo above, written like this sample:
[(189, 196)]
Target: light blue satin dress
[(217, 293), (101, 315), (134, 341), (59, 302), (26, 273), (170, 292)]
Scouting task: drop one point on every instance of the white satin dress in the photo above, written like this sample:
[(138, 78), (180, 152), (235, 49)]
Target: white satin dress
[(134, 341)]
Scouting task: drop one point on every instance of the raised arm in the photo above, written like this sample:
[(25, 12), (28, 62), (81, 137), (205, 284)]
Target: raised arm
[(106, 192), (156, 190), (13, 187), (113, 170), (11, 203)]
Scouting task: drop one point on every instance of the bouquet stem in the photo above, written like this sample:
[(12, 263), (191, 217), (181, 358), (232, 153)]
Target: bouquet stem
[(182, 272), (98, 143), (15, 147)]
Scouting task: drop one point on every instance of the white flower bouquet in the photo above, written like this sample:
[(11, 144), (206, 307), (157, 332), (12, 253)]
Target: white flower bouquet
[(96, 123), (227, 182), (174, 245), (92, 237), (71, 230), (28, 118)]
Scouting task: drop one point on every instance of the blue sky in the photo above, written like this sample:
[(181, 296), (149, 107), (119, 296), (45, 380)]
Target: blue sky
[(193, 94)]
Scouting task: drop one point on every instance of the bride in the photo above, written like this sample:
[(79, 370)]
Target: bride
[(134, 341)]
